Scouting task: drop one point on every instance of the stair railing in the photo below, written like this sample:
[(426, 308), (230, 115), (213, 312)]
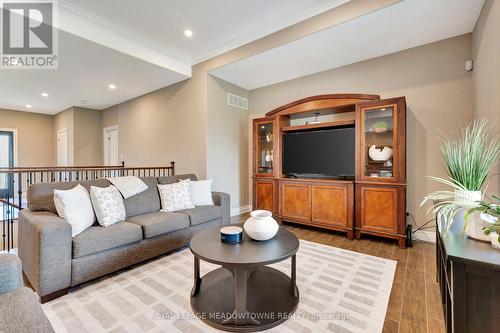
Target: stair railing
[(17, 180)]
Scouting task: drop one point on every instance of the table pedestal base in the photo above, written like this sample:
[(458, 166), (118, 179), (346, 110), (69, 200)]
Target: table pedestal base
[(270, 300)]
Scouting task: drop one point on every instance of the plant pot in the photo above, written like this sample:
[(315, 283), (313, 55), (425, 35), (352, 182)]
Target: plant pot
[(261, 225), (475, 227), (494, 240), (468, 197)]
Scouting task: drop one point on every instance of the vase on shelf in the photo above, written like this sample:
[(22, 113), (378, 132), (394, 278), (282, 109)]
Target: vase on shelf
[(261, 225), (382, 154), (475, 224)]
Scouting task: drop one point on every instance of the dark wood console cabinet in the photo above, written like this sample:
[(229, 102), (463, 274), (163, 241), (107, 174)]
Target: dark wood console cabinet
[(468, 273), (374, 202)]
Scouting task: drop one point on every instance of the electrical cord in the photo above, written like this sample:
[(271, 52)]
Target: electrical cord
[(423, 226)]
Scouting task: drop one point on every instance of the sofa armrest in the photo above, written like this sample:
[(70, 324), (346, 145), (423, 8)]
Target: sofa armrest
[(45, 250), (223, 200), (11, 277)]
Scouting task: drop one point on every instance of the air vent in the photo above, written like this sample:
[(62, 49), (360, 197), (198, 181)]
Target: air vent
[(237, 101)]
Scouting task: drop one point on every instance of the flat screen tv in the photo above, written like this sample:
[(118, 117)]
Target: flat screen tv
[(319, 153)]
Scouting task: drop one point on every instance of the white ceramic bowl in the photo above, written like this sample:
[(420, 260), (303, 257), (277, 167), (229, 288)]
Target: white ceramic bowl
[(261, 225)]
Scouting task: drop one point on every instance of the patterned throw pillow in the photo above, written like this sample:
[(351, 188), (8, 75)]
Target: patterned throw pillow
[(128, 185), (175, 196), (108, 205)]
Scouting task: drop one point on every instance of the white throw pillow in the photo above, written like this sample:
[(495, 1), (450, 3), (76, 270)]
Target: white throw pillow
[(128, 185), (175, 196), (201, 192), (108, 205), (74, 206)]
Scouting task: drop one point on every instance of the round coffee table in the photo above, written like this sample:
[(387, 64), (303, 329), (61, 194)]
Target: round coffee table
[(244, 295)]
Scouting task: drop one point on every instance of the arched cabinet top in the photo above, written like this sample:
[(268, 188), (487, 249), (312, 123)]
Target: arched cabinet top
[(339, 102)]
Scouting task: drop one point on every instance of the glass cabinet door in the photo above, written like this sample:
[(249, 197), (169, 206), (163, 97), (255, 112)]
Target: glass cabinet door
[(379, 142), (264, 154)]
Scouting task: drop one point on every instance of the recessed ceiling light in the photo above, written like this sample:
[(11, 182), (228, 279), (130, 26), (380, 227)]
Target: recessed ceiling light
[(111, 86), (44, 94), (188, 33), (28, 106)]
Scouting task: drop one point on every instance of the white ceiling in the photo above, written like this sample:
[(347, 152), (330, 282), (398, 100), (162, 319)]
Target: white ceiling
[(401, 26), (218, 25), (85, 70), (140, 46)]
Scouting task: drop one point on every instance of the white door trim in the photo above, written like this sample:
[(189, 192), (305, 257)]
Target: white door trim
[(104, 131), (14, 138)]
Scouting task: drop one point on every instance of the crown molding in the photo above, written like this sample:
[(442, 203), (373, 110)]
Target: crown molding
[(84, 24), (272, 27)]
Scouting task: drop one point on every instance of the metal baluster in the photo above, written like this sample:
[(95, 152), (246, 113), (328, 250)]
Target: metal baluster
[(3, 224), (10, 235), (20, 188), (8, 227)]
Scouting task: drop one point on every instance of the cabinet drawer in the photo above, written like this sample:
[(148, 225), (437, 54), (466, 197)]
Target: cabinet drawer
[(296, 201)]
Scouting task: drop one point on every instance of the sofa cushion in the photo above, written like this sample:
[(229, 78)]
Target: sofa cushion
[(41, 195), (160, 223), (96, 238), (145, 202), (176, 178), (202, 214)]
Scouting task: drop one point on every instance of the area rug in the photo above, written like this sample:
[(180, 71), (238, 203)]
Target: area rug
[(340, 291)]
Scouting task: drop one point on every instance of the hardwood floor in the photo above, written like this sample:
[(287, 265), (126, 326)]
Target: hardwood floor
[(414, 304)]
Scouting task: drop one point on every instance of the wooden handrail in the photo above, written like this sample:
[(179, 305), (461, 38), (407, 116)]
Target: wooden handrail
[(83, 168), (72, 168), (10, 204)]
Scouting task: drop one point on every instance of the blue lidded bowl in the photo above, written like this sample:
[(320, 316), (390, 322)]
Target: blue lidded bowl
[(231, 234)]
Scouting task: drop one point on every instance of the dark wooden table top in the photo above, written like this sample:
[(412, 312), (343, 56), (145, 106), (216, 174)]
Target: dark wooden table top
[(463, 249), (207, 246)]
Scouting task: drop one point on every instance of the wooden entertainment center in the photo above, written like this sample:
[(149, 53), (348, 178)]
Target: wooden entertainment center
[(372, 202)]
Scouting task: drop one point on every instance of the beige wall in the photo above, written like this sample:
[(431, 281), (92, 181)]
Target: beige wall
[(227, 142), (35, 136), (165, 125), (437, 89), (171, 123), (65, 120), (84, 128), (486, 74), (88, 133)]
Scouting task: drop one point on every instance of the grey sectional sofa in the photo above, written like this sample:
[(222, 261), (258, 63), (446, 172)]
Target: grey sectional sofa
[(20, 310), (53, 261)]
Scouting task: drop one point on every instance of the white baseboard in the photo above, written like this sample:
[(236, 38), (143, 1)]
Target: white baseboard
[(425, 236), (241, 210)]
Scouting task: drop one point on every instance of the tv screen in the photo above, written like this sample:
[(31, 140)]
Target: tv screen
[(320, 153)]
